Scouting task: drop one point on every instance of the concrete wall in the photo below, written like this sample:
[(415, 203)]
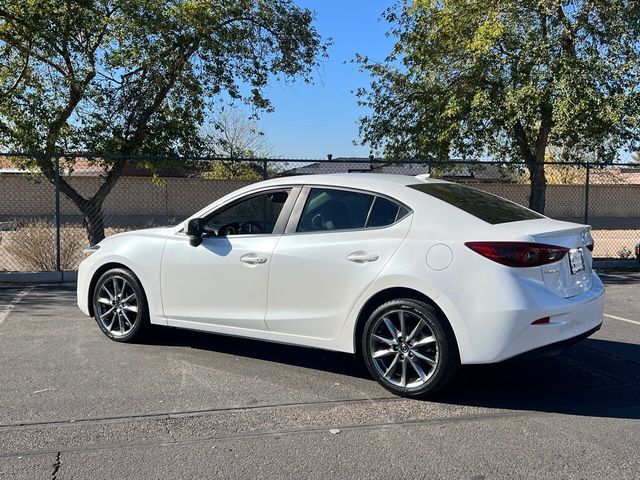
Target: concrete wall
[(134, 200), (610, 206), (138, 200)]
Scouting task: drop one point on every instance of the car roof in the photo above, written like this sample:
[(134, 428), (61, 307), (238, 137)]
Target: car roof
[(368, 181), (393, 185)]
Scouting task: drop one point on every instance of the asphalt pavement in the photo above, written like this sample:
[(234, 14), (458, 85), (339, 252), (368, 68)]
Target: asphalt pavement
[(75, 405)]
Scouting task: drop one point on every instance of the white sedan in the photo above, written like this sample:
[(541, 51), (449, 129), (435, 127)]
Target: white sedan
[(414, 275)]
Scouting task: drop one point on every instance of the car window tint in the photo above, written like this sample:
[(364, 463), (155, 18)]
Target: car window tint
[(329, 209), (485, 206), (403, 212), (383, 213), (255, 215)]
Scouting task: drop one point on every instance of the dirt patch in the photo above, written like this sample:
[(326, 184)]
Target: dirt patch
[(31, 247)]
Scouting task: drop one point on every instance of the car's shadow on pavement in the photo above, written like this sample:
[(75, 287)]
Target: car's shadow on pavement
[(624, 278), (333, 362), (596, 378)]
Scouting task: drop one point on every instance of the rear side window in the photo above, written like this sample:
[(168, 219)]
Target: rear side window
[(335, 209), (383, 213), (328, 209), (485, 206)]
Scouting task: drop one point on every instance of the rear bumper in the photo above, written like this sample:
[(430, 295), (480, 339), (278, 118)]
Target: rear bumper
[(555, 348), (495, 321)]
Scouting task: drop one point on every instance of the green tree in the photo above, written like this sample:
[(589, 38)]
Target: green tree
[(132, 77), (507, 79)]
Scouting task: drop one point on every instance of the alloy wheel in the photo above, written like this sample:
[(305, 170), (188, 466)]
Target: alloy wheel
[(403, 349), (117, 306)]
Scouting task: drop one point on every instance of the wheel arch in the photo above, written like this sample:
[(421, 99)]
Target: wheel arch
[(392, 293), (98, 273)]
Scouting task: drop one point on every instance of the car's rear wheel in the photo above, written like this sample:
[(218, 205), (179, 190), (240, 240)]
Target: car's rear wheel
[(408, 350), (120, 306)]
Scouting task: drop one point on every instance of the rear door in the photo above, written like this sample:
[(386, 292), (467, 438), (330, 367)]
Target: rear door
[(336, 244)]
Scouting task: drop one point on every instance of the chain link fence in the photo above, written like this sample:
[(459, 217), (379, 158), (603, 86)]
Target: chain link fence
[(53, 207)]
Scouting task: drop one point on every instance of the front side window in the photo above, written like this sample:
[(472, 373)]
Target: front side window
[(329, 209), (255, 215)]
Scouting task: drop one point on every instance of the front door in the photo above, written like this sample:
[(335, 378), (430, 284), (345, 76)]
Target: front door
[(223, 281)]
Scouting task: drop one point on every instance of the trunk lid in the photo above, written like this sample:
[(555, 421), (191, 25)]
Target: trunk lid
[(571, 275)]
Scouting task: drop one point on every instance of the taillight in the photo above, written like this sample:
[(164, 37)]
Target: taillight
[(518, 254)]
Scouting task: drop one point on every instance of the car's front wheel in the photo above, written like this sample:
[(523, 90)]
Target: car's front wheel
[(407, 349), (120, 306)]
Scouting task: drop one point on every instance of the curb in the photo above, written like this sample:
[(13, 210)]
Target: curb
[(39, 277)]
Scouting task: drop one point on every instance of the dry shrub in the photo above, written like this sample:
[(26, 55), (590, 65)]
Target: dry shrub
[(33, 244)]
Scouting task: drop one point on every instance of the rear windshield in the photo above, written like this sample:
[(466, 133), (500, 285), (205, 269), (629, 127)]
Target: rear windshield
[(485, 206)]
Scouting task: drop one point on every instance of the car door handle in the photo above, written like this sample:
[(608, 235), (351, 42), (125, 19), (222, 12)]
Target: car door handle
[(362, 257), (253, 259)]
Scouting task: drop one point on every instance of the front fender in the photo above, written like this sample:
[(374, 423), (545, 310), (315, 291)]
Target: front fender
[(139, 252)]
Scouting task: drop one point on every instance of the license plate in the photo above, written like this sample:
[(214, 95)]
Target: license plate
[(576, 260)]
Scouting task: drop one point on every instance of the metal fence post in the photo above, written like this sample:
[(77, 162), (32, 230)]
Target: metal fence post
[(265, 174), (57, 182), (586, 195)]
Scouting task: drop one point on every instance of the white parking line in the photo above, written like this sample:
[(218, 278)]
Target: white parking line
[(610, 275), (622, 319), (4, 313), (621, 277)]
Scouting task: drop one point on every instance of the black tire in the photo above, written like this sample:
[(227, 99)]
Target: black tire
[(443, 350), (134, 329)]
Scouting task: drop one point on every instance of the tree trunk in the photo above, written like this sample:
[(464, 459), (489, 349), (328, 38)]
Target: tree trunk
[(538, 187), (533, 156), (91, 208), (93, 221)]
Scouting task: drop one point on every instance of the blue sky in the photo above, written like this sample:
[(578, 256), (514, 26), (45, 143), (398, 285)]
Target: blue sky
[(311, 121)]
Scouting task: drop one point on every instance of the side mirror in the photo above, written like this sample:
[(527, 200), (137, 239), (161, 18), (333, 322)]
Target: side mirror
[(195, 228)]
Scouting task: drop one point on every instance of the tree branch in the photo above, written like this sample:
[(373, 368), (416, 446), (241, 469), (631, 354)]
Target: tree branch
[(544, 130), (109, 182), (138, 136), (523, 143), (28, 28), (543, 23), (75, 95), (19, 78), (569, 44), (28, 51), (7, 129)]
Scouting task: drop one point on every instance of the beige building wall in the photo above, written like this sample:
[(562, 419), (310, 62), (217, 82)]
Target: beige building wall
[(23, 196)]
